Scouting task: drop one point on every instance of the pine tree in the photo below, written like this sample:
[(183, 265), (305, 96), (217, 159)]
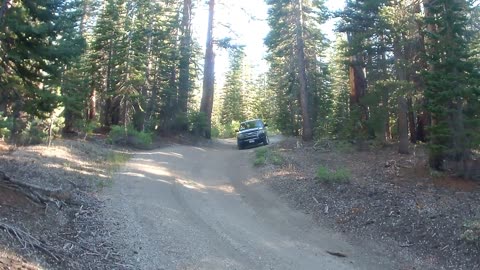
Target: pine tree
[(295, 46), (234, 89), (452, 85), (37, 39)]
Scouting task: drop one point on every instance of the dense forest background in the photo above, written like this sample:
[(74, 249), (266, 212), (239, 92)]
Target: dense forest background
[(403, 71)]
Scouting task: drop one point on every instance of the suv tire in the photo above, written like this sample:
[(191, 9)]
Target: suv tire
[(266, 140)]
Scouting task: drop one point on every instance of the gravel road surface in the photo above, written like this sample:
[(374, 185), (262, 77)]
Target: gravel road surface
[(186, 207)]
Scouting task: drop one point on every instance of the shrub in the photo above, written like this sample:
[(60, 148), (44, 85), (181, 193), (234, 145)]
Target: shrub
[(197, 121), (328, 176), (228, 130), (6, 124), (472, 232), (129, 136), (267, 155), (33, 134), (260, 157)]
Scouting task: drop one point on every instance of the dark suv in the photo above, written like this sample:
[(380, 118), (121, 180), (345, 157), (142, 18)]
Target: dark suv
[(252, 132)]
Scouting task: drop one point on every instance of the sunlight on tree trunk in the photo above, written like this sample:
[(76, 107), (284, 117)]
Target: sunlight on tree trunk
[(206, 105)]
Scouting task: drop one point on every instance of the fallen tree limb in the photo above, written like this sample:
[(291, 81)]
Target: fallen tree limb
[(35, 193), (25, 239)]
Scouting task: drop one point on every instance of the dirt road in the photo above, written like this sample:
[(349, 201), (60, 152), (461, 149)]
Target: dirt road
[(185, 207)]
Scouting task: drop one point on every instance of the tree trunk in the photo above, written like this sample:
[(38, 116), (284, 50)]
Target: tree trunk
[(206, 105), (92, 105), (358, 83), (185, 57), (402, 125), (307, 132), (85, 16), (411, 121)]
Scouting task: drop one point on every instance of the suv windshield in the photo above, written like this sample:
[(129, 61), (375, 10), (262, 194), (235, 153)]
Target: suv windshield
[(251, 124)]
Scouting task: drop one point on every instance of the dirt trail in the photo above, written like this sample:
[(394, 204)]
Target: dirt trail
[(185, 207)]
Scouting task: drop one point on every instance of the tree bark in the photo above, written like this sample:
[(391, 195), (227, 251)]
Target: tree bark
[(402, 125), (411, 121), (307, 132), (357, 81), (185, 57), (206, 105)]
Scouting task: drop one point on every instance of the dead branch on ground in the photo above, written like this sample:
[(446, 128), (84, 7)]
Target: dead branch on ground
[(26, 240)]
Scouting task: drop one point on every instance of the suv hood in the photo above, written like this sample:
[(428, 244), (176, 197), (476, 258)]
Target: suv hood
[(248, 130)]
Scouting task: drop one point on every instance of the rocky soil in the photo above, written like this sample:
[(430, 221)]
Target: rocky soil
[(390, 198)]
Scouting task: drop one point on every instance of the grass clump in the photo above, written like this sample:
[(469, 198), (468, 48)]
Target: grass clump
[(114, 161), (265, 156), (339, 176), (472, 232)]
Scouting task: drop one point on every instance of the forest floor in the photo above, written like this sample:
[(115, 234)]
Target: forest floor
[(390, 198), (66, 232)]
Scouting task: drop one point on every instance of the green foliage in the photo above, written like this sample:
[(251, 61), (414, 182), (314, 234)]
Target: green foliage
[(227, 130), (35, 44), (471, 233), (283, 76), (33, 134), (129, 136), (232, 107), (6, 124), (88, 127), (328, 176), (451, 85), (267, 155), (197, 121)]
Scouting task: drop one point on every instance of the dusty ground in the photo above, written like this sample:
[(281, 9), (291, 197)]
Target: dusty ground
[(390, 199), (186, 207), (67, 233)]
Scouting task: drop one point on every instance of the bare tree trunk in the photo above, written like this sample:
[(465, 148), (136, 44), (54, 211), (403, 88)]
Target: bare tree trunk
[(411, 121), (206, 105), (307, 132), (185, 57), (402, 125), (92, 105), (85, 16), (358, 89)]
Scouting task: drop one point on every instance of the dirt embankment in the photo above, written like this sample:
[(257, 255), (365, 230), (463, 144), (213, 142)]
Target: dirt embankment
[(63, 231), (390, 198)]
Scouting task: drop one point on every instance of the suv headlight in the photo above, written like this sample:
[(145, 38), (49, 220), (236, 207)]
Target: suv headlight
[(240, 135), (261, 132)]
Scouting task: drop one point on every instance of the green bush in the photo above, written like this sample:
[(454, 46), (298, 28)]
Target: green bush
[(228, 130), (472, 232), (260, 157), (267, 155), (6, 124), (87, 127), (33, 134), (129, 136), (328, 176), (197, 121)]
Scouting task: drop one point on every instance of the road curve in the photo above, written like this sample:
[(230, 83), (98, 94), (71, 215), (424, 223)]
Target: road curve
[(186, 207)]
